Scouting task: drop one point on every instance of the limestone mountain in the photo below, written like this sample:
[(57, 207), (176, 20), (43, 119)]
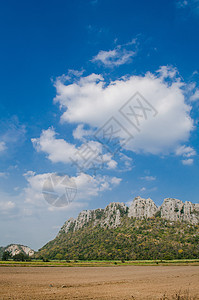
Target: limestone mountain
[(108, 217), (141, 231), (171, 209), (15, 249), (142, 208), (174, 210)]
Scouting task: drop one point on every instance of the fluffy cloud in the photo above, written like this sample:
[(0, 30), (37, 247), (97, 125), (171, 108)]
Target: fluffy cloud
[(195, 96), (80, 133), (93, 102), (86, 186), (87, 156), (116, 57), (185, 151), (58, 150), (187, 162), (89, 186)]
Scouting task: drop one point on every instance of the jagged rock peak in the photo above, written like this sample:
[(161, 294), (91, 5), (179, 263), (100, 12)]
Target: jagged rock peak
[(110, 216), (16, 249), (142, 208), (174, 210), (171, 209)]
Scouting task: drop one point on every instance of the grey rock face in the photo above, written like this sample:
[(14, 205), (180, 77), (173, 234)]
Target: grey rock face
[(16, 249), (142, 208), (112, 214), (171, 209), (110, 217), (174, 210)]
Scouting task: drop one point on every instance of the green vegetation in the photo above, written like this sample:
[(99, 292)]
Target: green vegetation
[(6, 255), (151, 239), (98, 263), (21, 257), (17, 257)]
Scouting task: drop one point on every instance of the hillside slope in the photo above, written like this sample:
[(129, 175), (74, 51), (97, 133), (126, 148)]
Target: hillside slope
[(142, 231)]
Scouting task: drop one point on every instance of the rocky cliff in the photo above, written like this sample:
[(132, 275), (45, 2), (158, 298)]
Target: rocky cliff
[(171, 209), (110, 217), (174, 210), (142, 208)]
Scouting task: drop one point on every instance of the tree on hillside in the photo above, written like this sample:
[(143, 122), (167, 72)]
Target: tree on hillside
[(6, 255), (21, 257)]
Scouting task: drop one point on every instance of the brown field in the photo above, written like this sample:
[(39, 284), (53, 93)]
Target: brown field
[(119, 282)]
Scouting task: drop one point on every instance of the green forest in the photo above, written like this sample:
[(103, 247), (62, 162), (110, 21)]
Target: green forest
[(153, 238)]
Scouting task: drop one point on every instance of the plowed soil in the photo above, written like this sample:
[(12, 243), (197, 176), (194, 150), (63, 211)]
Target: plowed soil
[(119, 282)]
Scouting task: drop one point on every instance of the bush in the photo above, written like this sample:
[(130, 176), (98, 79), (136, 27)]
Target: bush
[(21, 257)]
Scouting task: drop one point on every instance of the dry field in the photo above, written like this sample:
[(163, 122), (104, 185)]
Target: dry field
[(119, 282)]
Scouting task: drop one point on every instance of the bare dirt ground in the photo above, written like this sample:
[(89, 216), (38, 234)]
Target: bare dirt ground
[(128, 282)]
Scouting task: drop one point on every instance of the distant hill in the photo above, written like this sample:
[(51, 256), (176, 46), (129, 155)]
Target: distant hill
[(142, 231), (14, 249)]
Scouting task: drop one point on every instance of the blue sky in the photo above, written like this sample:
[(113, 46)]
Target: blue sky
[(67, 68)]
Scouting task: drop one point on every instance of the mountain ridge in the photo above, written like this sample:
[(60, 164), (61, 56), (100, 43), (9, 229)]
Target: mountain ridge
[(171, 209), (141, 231)]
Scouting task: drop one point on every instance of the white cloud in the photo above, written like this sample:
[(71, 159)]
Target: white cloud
[(116, 57), (187, 162), (80, 133), (195, 96), (58, 150), (76, 73), (87, 187), (112, 164), (2, 146), (185, 151), (90, 101), (167, 72), (72, 74), (88, 155), (116, 180)]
